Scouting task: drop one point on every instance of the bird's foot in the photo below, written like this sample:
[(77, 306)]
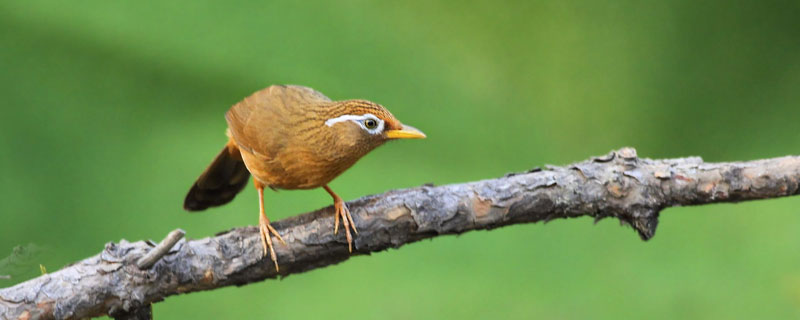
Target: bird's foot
[(347, 222), (267, 231)]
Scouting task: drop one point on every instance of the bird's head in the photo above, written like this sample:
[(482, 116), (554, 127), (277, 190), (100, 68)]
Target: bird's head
[(365, 125)]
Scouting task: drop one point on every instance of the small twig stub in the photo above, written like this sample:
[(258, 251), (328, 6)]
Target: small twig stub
[(150, 259)]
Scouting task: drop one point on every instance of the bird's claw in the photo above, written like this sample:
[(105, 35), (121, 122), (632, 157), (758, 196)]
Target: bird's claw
[(342, 212), (267, 231)]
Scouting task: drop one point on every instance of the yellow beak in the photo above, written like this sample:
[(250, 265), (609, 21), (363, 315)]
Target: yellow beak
[(407, 132)]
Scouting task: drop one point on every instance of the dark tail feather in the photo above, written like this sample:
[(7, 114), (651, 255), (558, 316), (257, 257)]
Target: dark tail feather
[(221, 181)]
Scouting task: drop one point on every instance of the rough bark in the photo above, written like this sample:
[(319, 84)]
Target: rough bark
[(619, 185)]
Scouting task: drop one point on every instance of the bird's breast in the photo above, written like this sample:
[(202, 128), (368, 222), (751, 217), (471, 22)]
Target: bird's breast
[(297, 167)]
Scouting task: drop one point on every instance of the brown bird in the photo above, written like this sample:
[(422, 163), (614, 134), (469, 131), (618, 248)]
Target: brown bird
[(293, 137)]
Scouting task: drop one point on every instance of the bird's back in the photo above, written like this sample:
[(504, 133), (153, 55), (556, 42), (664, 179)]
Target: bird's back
[(274, 130), (264, 121)]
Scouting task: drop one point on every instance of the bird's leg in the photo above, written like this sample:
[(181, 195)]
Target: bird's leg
[(265, 228), (344, 213)]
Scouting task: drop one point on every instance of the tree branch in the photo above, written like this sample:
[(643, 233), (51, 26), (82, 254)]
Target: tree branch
[(619, 185)]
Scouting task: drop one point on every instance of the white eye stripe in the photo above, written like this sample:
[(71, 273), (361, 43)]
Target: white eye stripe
[(358, 119), (348, 117)]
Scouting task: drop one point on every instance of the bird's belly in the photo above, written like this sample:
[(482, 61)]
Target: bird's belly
[(293, 171)]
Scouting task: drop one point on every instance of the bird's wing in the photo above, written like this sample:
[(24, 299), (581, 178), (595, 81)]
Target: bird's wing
[(263, 122)]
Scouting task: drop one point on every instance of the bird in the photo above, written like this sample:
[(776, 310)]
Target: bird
[(293, 137)]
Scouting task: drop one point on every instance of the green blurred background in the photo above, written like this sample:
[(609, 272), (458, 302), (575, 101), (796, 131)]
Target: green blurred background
[(111, 109)]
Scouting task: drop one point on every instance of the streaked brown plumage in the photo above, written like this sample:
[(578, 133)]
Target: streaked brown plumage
[(293, 137)]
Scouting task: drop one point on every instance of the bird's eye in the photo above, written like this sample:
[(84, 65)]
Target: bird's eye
[(370, 124)]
